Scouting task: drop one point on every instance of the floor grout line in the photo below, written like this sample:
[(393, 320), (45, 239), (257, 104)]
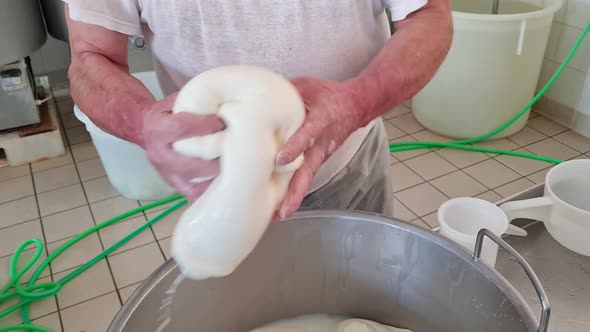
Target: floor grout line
[(67, 210), (51, 169), (106, 259), (69, 149), (438, 177), (88, 204), (79, 206), (15, 178), (450, 162), (130, 249), (531, 128), (20, 222), (49, 266), (58, 188), (425, 181), (118, 252), (154, 233), (88, 300), (41, 222), (72, 236), (469, 176), (404, 205)]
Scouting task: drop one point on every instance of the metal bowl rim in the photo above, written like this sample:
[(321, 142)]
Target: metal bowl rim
[(153, 280)]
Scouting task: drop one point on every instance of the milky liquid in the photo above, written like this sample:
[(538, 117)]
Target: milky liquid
[(326, 323), (165, 316), (485, 7)]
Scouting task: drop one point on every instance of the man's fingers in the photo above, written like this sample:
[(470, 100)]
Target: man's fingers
[(172, 162), (196, 190), (186, 125), (275, 218), (304, 138), (166, 105), (189, 190), (301, 181)]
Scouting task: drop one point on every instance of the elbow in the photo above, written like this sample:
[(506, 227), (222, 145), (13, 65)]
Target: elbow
[(446, 26), (448, 31), (75, 72), (442, 28), (73, 69)]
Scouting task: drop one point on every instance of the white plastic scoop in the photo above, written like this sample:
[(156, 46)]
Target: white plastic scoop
[(462, 218)]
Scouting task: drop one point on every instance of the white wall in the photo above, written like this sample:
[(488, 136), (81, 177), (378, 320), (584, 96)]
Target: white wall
[(572, 89)]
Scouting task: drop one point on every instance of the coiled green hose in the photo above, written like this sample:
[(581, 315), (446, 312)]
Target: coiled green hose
[(33, 292)]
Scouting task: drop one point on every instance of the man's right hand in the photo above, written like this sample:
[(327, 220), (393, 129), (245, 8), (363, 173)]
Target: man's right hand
[(161, 129)]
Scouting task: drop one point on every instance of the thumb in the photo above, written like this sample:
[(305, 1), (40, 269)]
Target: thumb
[(166, 104)]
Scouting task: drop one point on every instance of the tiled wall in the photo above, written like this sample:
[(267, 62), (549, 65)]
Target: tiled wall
[(568, 100)]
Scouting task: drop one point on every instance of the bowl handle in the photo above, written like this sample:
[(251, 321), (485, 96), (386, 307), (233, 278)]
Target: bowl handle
[(546, 310)]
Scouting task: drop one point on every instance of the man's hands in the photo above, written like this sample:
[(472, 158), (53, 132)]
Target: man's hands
[(402, 68), (161, 128), (333, 113)]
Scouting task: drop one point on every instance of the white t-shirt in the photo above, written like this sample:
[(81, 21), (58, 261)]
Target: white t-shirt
[(329, 39)]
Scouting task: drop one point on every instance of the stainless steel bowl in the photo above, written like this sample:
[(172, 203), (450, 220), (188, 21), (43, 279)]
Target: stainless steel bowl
[(346, 263)]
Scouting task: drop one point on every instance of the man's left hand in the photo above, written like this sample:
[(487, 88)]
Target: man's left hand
[(333, 114)]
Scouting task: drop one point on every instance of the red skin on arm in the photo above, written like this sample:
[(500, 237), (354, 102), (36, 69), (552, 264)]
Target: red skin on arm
[(100, 81), (404, 66), (121, 105)]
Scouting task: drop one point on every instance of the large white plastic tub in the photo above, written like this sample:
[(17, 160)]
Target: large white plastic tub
[(492, 69), (125, 163)]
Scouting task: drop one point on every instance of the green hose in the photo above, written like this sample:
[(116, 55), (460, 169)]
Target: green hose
[(35, 292), (464, 144)]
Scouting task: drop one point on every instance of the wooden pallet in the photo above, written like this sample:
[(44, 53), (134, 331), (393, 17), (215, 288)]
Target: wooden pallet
[(33, 143)]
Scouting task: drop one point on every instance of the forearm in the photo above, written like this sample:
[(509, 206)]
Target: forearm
[(406, 64), (112, 98)]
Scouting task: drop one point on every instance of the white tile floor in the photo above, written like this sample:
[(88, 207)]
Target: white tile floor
[(55, 199)]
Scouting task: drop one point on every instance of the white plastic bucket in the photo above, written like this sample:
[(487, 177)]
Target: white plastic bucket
[(125, 163), (492, 69)]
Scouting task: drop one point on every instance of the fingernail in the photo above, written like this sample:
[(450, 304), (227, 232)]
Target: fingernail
[(282, 213), (283, 158), (332, 146)]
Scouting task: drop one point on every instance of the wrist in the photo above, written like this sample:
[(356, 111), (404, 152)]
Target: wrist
[(136, 124), (363, 95)]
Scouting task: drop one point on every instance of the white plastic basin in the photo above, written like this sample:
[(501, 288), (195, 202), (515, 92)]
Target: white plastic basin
[(492, 69), (125, 163)]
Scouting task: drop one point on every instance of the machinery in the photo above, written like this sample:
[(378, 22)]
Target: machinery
[(55, 19), (22, 31)]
